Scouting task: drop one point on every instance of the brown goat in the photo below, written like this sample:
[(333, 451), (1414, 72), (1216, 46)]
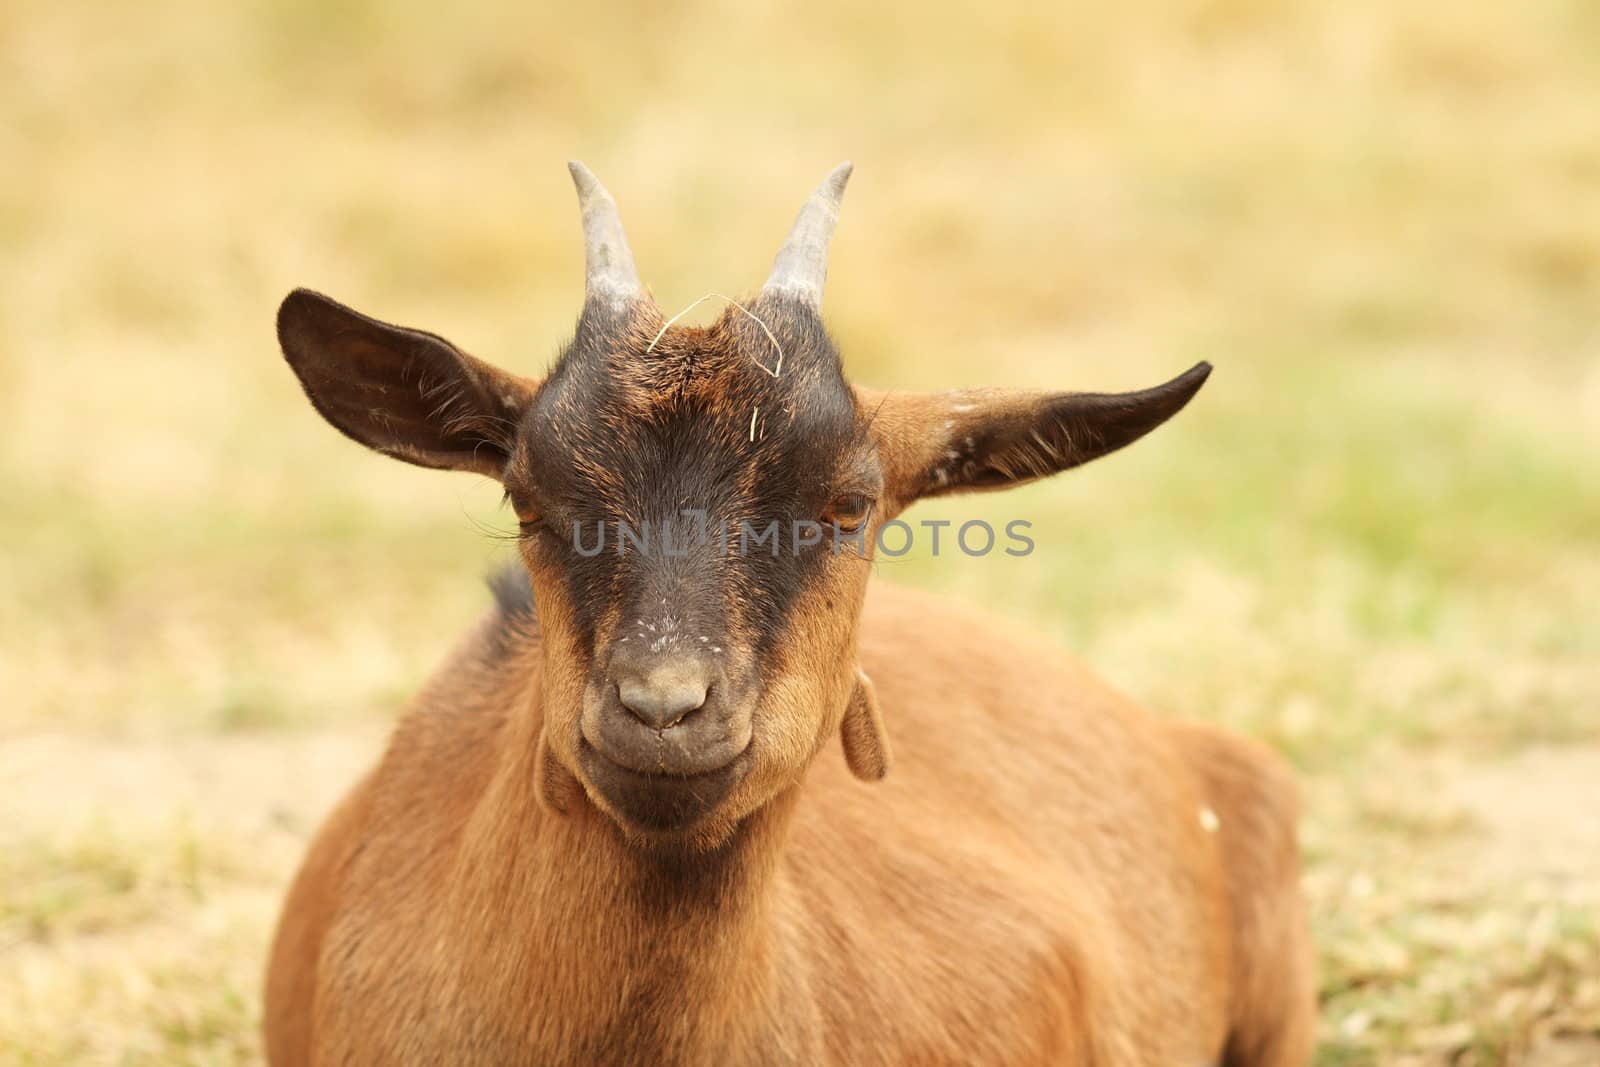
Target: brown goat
[(609, 829)]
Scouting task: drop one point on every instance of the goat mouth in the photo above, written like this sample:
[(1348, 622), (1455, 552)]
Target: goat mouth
[(659, 802), (683, 752)]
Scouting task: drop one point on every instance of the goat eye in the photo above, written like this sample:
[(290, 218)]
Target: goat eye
[(849, 512), (527, 515)]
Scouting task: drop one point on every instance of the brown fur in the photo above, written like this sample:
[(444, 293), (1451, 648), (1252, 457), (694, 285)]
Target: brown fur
[(1032, 884)]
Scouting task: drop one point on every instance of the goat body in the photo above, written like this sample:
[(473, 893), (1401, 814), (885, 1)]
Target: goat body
[(1049, 876)]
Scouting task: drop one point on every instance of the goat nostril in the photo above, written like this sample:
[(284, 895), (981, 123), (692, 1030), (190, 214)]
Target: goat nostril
[(661, 704)]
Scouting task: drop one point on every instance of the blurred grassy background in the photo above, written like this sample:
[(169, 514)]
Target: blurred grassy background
[(1371, 542)]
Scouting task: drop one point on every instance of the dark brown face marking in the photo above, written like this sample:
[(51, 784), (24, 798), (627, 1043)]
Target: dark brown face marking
[(698, 437)]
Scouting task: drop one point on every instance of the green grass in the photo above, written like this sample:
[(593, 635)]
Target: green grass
[(1372, 541)]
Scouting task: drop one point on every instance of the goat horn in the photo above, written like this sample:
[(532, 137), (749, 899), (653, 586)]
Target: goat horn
[(608, 267), (802, 263)]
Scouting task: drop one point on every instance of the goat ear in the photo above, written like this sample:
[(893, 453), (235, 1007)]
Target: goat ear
[(931, 444), (406, 393), (866, 742)]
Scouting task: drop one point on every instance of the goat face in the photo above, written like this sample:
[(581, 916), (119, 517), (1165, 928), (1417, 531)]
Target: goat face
[(698, 509), (692, 514)]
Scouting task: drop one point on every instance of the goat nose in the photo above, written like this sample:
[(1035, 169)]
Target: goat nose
[(664, 696)]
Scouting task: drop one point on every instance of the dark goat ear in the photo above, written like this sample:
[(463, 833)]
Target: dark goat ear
[(406, 393), (936, 443)]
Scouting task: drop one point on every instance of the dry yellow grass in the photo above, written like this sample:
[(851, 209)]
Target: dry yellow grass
[(1372, 542)]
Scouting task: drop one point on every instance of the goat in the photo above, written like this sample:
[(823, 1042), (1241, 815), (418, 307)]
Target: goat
[(609, 831)]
